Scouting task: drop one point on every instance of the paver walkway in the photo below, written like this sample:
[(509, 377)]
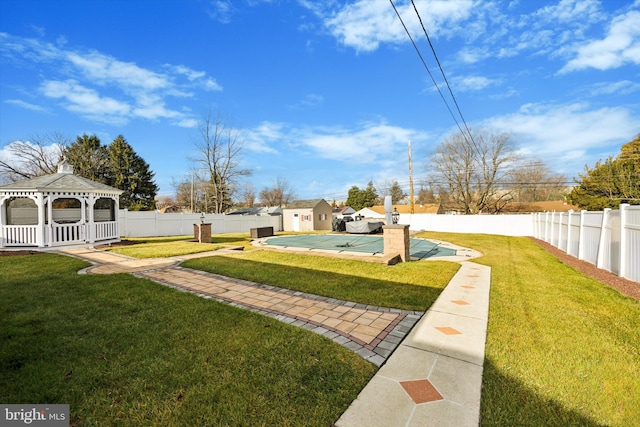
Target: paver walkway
[(372, 332), (431, 372)]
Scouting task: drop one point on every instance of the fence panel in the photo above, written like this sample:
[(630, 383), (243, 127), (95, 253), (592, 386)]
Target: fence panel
[(149, 224), (505, 225), (609, 239), (590, 238), (609, 247), (573, 239), (630, 246), (563, 231)]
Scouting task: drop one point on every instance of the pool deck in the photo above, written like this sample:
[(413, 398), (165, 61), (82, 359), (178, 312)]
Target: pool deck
[(431, 363)]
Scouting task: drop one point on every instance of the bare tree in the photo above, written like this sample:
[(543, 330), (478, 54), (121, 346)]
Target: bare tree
[(278, 195), (218, 154), (426, 194), (393, 189), (39, 156), (248, 196), (533, 182), (473, 168)]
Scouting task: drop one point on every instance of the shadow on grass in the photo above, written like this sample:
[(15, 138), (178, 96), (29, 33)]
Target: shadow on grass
[(343, 286), (125, 351), (506, 401), (230, 239)]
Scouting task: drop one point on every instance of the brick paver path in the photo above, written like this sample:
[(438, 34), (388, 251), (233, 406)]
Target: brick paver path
[(372, 332)]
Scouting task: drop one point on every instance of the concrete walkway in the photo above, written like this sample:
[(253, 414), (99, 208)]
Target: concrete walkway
[(431, 362)]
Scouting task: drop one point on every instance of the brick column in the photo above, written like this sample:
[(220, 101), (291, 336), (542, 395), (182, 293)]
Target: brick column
[(202, 233), (396, 241)]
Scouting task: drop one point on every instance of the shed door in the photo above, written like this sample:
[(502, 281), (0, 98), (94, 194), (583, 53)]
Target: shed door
[(296, 222)]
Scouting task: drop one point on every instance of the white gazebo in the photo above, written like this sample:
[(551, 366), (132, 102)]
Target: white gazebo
[(56, 210)]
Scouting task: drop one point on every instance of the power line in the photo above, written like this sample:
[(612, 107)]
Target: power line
[(433, 50), (424, 63)]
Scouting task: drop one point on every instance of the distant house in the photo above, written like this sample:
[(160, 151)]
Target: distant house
[(307, 215), (378, 211), (343, 211), (171, 209), (262, 211), (532, 207)]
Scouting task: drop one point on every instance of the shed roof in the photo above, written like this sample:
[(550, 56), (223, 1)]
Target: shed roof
[(304, 204)]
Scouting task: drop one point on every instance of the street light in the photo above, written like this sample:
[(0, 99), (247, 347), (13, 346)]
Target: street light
[(395, 216), (202, 218)]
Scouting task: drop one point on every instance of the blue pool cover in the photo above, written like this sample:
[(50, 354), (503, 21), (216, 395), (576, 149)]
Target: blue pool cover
[(419, 248)]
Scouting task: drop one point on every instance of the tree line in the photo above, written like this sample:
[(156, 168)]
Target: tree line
[(481, 171), (484, 172)]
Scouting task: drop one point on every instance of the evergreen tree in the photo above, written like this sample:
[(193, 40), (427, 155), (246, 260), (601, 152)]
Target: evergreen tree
[(612, 182), (130, 173), (88, 157), (359, 199), (396, 193)]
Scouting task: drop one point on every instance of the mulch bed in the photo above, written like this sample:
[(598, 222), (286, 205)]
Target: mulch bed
[(624, 286)]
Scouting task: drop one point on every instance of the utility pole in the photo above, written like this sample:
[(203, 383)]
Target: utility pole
[(410, 181)]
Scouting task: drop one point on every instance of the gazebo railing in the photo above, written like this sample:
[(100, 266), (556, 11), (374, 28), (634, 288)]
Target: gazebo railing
[(107, 230), (64, 234), (19, 235)]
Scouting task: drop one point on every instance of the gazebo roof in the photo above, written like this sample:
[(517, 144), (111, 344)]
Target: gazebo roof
[(64, 180)]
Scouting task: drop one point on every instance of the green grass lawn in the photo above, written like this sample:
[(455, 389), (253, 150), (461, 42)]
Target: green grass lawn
[(562, 349), (160, 247), (127, 351), (409, 286)]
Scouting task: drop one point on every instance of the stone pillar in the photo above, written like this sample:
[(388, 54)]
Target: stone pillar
[(202, 233), (396, 241)]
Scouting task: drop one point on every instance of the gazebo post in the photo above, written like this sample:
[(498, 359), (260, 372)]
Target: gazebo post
[(3, 220), (91, 238), (40, 231), (49, 226)]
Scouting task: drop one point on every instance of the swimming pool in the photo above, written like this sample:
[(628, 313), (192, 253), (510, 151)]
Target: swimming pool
[(366, 244)]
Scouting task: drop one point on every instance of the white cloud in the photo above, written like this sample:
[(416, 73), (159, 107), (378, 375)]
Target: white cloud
[(100, 87), (104, 69), (365, 24), (370, 142), (220, 10), (212, 84), (85, 101), (622, 87), (308, 101), (472, 83), (620, 46), (49, 150), (262, 138), (562, 135), (367, 143), (26, 105)]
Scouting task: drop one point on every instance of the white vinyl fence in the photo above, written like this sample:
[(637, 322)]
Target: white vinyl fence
[(609, 239), (505, 225), (149, 224)]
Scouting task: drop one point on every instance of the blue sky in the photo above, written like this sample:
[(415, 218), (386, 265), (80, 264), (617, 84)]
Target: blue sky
[(326, 94)]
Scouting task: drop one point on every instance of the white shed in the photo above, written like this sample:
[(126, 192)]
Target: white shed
[(307, 215)]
